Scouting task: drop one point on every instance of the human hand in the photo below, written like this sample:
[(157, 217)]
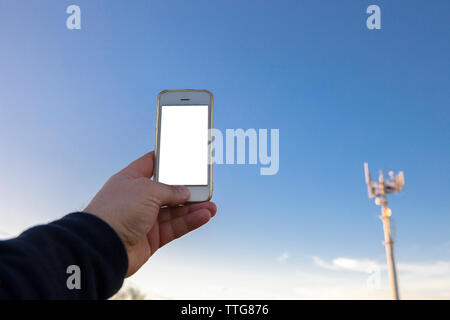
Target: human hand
[(131, 204)]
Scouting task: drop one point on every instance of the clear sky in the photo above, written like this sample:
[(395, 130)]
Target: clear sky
[(78, 105)]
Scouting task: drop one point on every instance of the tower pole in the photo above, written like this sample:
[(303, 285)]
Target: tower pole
[(388, 242)]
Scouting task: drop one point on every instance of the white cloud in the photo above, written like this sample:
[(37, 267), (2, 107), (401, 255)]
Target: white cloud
[(359, 265), (417, 280), (430, 269), (436, 268), (172, 275), (196, 280), (283, 257)]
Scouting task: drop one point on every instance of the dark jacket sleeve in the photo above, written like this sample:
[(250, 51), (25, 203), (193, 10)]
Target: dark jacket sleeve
[(45, 262)]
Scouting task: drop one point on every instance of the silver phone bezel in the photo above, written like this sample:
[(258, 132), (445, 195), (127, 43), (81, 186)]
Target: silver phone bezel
[(187, 97)]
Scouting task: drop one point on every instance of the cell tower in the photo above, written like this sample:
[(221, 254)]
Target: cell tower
[(379, 190)]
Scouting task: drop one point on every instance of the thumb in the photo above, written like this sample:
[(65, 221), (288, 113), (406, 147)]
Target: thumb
[(142, 167), (169, 195)]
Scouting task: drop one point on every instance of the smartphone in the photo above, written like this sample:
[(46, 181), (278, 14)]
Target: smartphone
[(183, 148)]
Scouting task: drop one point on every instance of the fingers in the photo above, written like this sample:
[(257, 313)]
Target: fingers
[(168, 195), (164, 194), (169, 213), (179, 226), (142, 167)]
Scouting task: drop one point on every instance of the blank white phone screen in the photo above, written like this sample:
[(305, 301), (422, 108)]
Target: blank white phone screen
[(183, 145)]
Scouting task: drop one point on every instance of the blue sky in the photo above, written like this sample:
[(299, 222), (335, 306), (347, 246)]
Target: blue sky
[(78, 105)]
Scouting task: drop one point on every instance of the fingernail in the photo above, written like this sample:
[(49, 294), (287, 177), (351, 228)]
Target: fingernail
[(214, 211)]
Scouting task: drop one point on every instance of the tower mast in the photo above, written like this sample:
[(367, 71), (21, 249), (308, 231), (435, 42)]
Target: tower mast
[(379, 190)]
